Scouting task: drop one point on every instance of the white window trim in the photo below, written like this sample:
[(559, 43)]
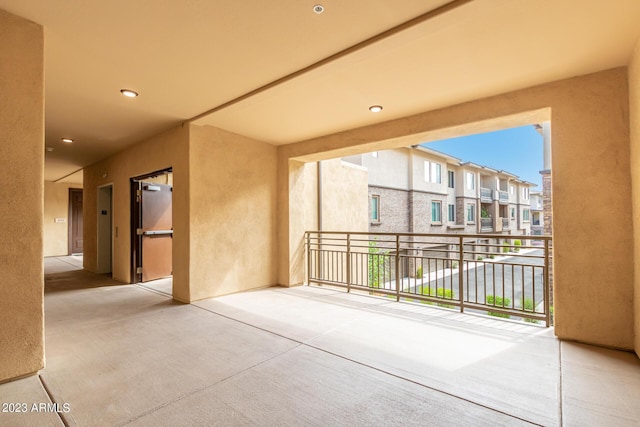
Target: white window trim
[(439, 203), (372, 219), (473, 209)]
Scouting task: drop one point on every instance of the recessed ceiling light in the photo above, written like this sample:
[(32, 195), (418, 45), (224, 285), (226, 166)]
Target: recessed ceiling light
[(375, 108), (129, 93), (67, 140), (318, 9)]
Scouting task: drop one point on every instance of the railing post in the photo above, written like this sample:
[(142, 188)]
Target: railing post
[(308, 238), (461, 273), (397, 267), (348, 262), (547, 291)]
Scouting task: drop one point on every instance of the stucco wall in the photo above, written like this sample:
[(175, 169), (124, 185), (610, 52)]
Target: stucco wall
[(233, 238), (634, 114), (56, 205), (169, 149), (21, 174), (590, 121), (344, 197)]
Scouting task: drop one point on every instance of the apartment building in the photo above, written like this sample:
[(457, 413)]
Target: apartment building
[(419, 190), (537, 213)]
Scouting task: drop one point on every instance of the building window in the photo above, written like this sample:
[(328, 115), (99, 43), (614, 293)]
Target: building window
[(525, 193), (525, 215), (375, 208), (436, 211), (511, 189), (512, 213), (471, 212), (432, 172), (471, 181), (451, 179), (452, 213)]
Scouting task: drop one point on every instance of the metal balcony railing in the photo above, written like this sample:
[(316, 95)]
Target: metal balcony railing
[(486, 195), (486, 224), (502, 276), (503, 197)]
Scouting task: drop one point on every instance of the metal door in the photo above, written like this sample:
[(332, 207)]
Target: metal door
[(155, 232)]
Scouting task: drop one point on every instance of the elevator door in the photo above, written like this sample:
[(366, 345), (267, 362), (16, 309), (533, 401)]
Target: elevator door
[(155, 232)]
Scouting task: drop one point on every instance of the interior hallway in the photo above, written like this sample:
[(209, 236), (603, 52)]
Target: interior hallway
[(127, 355)]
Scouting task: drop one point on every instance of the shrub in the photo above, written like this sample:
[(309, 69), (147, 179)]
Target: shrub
[(454, 265), (419, 272), (517, 244), (528, 306), (479, 258), (498, 301), (505, 247), (492, 256), (440, 293)]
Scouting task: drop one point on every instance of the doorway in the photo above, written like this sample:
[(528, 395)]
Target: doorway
[(75, 221), (105, 227), (152, 226)]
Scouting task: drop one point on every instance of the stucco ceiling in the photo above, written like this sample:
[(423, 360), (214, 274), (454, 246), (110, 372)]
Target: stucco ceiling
[(189, 57)]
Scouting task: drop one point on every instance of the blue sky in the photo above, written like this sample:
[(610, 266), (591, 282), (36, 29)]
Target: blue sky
[(515, 150)]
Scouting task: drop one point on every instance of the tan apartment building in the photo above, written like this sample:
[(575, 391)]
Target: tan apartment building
[(420, 190), (243, 123)]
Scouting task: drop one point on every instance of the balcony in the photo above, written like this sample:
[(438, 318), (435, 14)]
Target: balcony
[(334, 358), (486, 195), (486, 225), (474, 272), (503, 197), (505, 223)]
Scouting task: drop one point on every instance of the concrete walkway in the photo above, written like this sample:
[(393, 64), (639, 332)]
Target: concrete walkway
[(126, 355)]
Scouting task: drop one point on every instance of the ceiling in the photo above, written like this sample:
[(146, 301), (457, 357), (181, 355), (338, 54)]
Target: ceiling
[(196, 60)]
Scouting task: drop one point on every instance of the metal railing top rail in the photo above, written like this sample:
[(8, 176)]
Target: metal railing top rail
[(450, 235)]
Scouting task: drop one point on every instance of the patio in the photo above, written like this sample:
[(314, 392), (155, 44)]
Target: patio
[(128, 355)]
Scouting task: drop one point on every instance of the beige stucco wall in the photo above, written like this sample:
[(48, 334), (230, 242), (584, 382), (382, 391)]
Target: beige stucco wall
[(344, 196), (593, 269), (233, 238), (169, 149), (21, 174), (634, 114), (56, 205)]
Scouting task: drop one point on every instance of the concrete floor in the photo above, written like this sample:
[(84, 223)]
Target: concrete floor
[(127, 355)]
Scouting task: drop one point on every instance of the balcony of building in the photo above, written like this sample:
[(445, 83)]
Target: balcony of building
[(127, 355)]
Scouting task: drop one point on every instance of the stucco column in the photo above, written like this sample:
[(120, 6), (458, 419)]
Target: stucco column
[(21, 172), (298, 209)]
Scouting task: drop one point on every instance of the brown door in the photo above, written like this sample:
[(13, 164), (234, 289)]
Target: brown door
[(156, 231), (75, 221)]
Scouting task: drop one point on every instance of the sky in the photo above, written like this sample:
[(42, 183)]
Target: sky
[(517, 150)]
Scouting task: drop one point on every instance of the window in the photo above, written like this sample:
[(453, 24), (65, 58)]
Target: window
[(525, 193), (452, 213), (512, 213), (451, 179), (436, 173), (471, 181), (375, 208), (525, 215), (436, 211), (432, 172), (471, 212), (512, 189)]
